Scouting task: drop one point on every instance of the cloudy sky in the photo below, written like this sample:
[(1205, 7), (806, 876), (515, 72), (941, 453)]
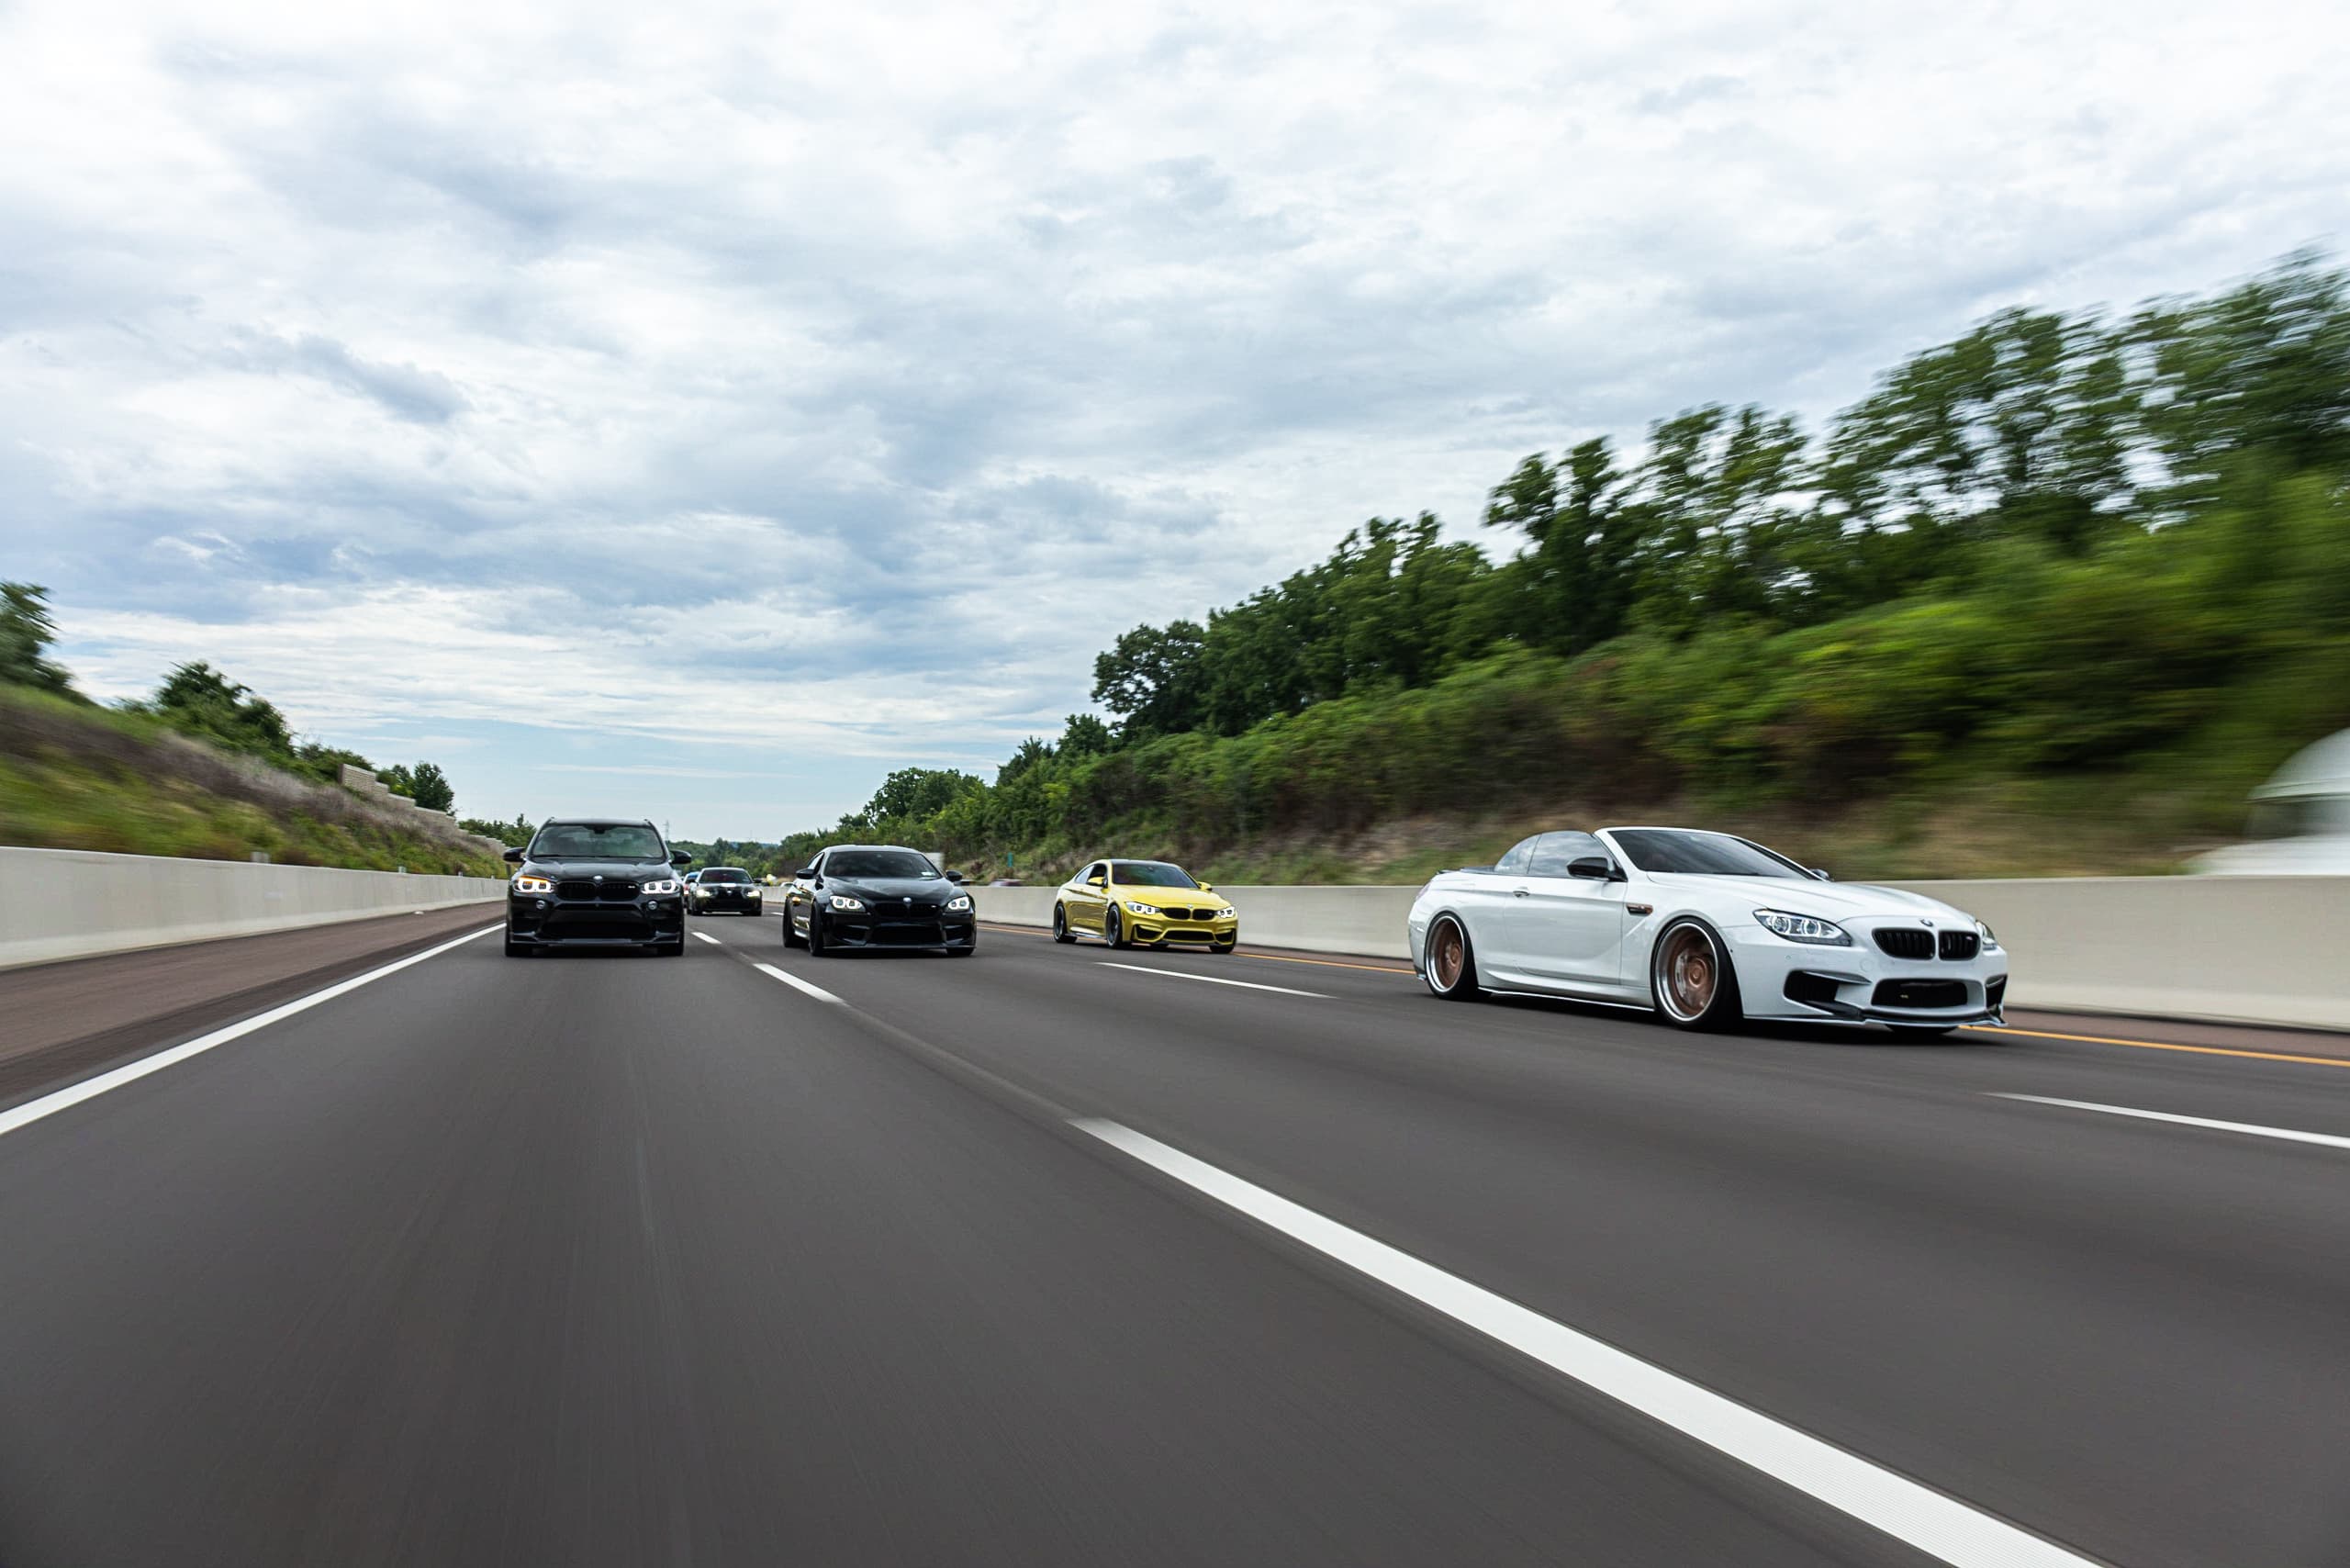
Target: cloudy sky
[(700, 410)]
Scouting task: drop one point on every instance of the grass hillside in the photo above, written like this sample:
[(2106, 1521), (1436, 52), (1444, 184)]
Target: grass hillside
[(75, 777)]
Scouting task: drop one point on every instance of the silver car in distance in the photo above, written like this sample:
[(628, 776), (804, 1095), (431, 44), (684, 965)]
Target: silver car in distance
[(1708, 929)]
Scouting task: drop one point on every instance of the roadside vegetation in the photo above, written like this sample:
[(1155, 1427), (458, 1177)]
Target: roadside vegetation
[(2049, 598), (203, 768)]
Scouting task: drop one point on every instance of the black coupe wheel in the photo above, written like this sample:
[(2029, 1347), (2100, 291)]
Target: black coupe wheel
[(815, 933), (1060, 923), (1451, 964), (1113, 930), (790, 938), (1690, 979)]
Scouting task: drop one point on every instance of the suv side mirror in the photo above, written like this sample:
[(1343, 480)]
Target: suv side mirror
[(1598, 868), (680, 857), (957, 877), (513, 857)]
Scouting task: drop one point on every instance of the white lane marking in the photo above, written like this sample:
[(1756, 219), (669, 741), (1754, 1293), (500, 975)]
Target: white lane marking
[(89, 1088), (2328, 1140), (1936, 1524), (1211, 979), (709, 938), (796, 983)]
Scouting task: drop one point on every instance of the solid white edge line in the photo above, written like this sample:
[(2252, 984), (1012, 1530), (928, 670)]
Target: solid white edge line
[(709, 938), (796, 983), (1934, 1523), (90, 1088), (1211, 979), (2287, 1134)]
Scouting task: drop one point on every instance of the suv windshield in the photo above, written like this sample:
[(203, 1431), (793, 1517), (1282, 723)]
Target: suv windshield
[(724, 876), (1710, 854), (878, 863), (1151, 874), (597, 841)]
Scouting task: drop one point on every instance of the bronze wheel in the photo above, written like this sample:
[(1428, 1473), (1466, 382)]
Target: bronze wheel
[(1691, 980), (1452, 968)]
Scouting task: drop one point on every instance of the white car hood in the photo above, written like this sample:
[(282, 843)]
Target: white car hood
[(1834, 901)]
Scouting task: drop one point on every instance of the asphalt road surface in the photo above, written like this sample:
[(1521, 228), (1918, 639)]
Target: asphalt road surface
[(1057, 1255)]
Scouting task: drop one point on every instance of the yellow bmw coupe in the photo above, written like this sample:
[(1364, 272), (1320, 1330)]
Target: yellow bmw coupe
[(1147, 902)]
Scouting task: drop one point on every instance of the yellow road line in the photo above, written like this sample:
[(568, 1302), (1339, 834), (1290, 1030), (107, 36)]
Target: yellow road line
[(2163, 1045)]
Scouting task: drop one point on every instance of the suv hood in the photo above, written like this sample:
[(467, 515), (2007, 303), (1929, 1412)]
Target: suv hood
[(600, 868)]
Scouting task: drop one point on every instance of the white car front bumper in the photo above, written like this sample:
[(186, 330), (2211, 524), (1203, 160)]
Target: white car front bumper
[(1862, 983)]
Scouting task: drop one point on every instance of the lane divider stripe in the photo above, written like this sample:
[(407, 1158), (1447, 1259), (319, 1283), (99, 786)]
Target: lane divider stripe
[(130, 1072), (1939, 1525), (2327, 1140), (709, 938), (2158, 1046), (796, 983), (1208, 979)]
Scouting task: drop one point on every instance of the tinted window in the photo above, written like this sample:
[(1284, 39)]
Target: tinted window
[(1151, 874), (597, 841), (723, 876), (877, 863), (1713, 854), (1513, 863), (1554, 852)]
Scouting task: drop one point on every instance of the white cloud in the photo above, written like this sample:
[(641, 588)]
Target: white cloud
[(853, 373)]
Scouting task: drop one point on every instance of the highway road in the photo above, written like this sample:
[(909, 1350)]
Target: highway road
[(1059, 1255)]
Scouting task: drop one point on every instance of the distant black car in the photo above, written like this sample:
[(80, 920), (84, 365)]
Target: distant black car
[(723, 889), (861, 895), (592, 883)]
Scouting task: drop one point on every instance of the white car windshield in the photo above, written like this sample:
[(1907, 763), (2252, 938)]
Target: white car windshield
[(1708, 854)]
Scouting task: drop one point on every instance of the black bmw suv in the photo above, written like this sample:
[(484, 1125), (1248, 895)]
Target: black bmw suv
[(859, 895), (593, 882)]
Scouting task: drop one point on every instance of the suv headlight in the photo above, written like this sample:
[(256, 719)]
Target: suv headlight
[(960, 900), (660, 885), (1990, 943), (843, 902), (534, 886), (1142, 908), (1803, 929)]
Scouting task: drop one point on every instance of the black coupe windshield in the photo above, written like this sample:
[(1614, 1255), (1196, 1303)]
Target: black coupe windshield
[(878, 863), (1708, 854), (597, 841), (721, 875), (1151, 874)]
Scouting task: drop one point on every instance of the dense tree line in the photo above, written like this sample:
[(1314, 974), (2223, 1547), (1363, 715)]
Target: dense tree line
[(2060, 542)]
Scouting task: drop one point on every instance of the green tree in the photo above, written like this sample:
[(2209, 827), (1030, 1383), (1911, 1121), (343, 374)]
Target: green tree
[(201, 700), (1152, 678), (1082, 734), (429, 788), (25, 634)]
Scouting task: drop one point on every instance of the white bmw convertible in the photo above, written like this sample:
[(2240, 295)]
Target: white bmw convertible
[(1705, 928)]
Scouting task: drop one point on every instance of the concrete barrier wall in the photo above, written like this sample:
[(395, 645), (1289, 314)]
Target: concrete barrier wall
[(68, 904), (2238, 949)]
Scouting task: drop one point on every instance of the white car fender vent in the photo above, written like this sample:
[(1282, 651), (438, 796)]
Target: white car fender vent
[(1640, 909)]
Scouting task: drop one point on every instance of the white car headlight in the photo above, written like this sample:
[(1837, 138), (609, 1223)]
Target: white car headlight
[(1142, 908), (960, 900), (661, 885), (843, 902), (1990, 943), (1803, 929), (537, 886)]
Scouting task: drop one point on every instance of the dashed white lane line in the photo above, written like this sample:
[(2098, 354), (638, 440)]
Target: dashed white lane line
[(2328, 1140), (1210, 980), (706, 936), (1932, 1521), (90, 1088), (796, 983)]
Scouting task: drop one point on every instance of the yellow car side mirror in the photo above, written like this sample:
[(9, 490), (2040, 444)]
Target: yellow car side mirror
[(1094, 882), (1207, 887)]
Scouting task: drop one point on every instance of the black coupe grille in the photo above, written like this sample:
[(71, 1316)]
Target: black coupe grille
[(1904, 943), (1961, 944)]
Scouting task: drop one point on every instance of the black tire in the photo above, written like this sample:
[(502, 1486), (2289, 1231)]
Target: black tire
[(673, 951), (790, 938), (962, 952), (1061, 932), (1113, 930), (1449, 964), (1223, 947), (816, 948), (1691, 983), (515, 950)]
